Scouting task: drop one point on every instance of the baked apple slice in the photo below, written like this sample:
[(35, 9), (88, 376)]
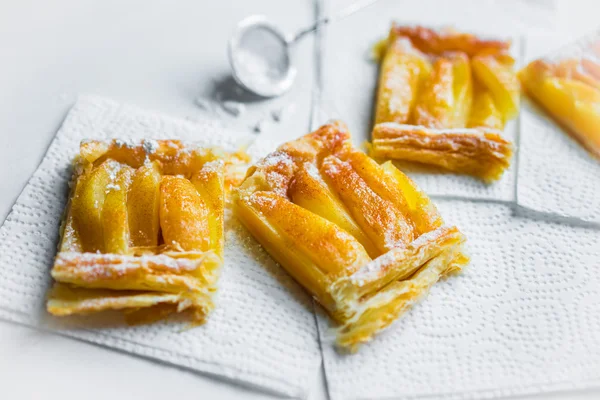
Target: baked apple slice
[(114, 213), (446, 96), (183, 215), (502, 83), (87, 204), (310, 191), (382, 222), (484, 113), (402, 70), (210, 184), (143, 204)]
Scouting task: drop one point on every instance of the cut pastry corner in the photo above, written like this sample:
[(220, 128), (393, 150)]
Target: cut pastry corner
[(143, 229), (449, 95), (351, 335), (360, 237)]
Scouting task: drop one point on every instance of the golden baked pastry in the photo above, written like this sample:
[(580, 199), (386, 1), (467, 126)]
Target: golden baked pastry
[(570, 91), (143, 230), (359, 236), (444, 98)]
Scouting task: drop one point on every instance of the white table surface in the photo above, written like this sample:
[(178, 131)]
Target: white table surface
[(158, 54)]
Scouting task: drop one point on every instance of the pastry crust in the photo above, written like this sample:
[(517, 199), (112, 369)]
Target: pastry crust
[(143, 229), (479, 152), (357, 235), (434, 41), (440, 87)]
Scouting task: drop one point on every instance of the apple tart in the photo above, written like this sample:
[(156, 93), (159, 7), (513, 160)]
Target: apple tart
[(143, 230), (443, 99), (569, 90), (358, 236)]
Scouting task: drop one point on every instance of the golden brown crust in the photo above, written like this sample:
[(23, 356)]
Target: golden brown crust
[(175, 157), (168, 272), (343, 226), (65, 300), (143, 228), (479, 152), (441, 41)]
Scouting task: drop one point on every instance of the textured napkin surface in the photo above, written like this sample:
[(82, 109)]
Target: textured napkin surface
[(556, 175), (350, 76), (524, 317), (262, 333)]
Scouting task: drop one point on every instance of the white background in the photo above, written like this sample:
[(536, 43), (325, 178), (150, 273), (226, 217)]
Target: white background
[(159, 55)]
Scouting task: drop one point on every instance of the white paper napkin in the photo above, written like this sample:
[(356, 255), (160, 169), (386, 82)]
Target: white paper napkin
[(262, 333), (350, 75), (523, 318), (528, 15), (556, 175)]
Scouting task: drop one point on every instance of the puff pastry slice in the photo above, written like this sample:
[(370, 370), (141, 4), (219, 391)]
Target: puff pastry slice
[(359, 236), (448, 95), (143, 230), (569, 90)]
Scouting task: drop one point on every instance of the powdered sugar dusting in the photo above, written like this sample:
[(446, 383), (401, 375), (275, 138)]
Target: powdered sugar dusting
[(214, 165), (314, 173), (150, 146), (116, 262), (113, 168), (128, 143), (112, 186), (374, 267), (425, 238), (277, 158)]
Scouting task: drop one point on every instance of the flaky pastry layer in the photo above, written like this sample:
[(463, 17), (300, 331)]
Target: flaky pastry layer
[(480, 152)]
